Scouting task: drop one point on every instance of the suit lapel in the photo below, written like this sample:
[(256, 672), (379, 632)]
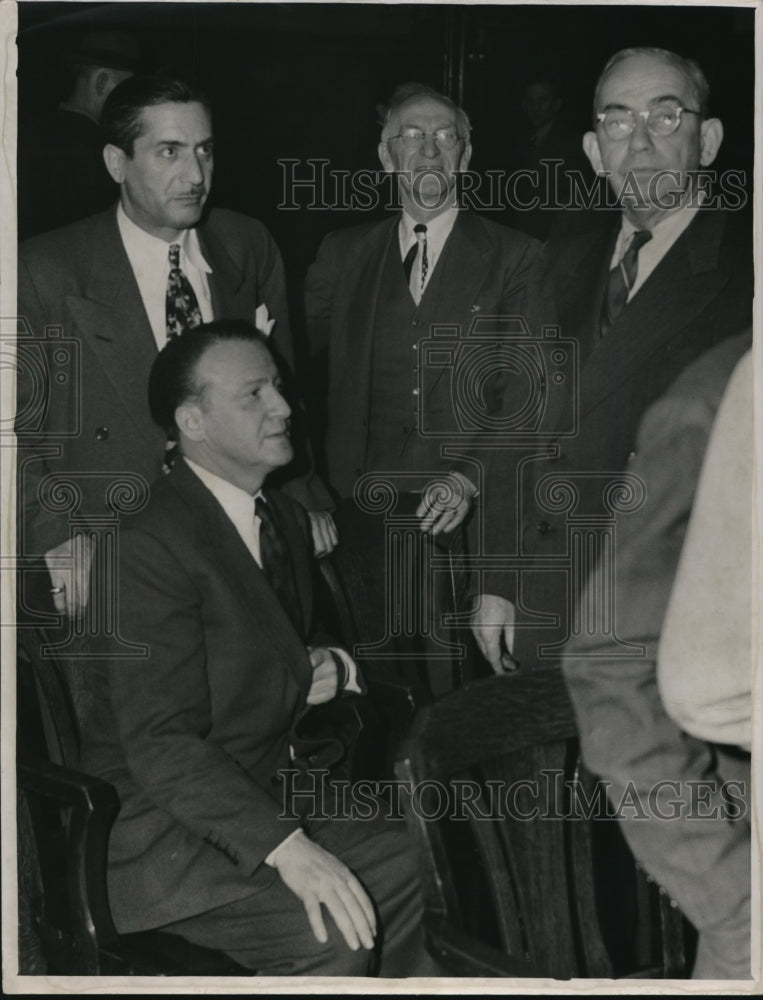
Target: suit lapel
[(458, 277), (464, 264), (222, 544), (226, 282), (679, 289), (363, 276), (112, 319)]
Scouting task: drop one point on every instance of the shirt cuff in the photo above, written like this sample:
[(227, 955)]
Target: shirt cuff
[(271, 858), (349, 681)]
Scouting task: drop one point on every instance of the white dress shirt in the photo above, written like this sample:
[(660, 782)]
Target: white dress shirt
[(438, 230), (664, 235), (240, 508), (149, 259)]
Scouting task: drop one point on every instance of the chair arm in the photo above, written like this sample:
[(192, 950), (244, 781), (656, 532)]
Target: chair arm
[(68, 787), (463, 955), (93, 804)]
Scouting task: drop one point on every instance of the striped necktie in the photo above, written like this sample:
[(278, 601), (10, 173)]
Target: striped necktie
[(621, 280), (416, 276)]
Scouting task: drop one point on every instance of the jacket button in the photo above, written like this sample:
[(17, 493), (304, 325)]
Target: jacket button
[(543, 527), (102, 434)]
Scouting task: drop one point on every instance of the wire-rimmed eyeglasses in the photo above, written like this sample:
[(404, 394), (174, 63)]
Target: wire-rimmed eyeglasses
[(446, 138), (662, 120)]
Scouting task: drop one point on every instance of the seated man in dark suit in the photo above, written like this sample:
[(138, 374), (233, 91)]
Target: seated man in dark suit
[(194, 723)]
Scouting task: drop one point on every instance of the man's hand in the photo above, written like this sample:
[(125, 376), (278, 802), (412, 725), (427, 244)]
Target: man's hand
[(325, 534), (69, 567), (493, 628), (325, 676), (446, 502), (316, 877)]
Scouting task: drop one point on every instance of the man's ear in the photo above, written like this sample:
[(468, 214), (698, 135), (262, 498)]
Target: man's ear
[(386, 159), (102, 81), (592, 151), (463, 163), (114, 158), (189, 420), (710, 139)]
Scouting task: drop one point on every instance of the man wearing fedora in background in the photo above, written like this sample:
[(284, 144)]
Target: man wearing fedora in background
[(61, 174)]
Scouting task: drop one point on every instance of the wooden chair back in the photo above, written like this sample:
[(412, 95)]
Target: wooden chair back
[(517, 851)]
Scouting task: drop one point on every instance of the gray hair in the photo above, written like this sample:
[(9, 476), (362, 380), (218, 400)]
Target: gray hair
[(690, 69), (408, 91)]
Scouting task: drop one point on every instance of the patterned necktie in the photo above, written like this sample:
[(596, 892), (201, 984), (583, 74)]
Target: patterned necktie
[(621, 280), (276, 561), (182, 305), (416, 277)]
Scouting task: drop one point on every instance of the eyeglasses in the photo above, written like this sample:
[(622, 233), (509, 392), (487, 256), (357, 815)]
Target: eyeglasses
[(446, 138), (662, 120)]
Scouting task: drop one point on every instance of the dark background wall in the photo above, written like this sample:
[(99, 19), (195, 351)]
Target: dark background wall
[(303, 81)]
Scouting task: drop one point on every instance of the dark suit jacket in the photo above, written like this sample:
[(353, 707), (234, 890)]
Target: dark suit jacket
[(82, 318), (483, 271), (193, 726), (699, 294), (626, 735)]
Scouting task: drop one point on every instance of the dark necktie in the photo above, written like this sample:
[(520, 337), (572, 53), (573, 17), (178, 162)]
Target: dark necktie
[(416, 283), (276, 561), (621, 280), (182, 305)]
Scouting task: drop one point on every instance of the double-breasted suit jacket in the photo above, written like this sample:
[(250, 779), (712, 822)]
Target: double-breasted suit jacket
[(483, 271), (700, 293), (194, 706), (86, 348)]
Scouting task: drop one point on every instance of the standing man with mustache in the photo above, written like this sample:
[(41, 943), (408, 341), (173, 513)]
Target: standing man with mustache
[(116, 286), (374, 293)]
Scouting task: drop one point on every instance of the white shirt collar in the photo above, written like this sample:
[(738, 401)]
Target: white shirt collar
[(237, 504), (664, 235), (669, 227), (150, 250), (438, 228)]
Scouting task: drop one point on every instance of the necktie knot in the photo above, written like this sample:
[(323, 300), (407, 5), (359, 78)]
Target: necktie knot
[(640, 237), (174, 255), (421, 231), (621, 280)]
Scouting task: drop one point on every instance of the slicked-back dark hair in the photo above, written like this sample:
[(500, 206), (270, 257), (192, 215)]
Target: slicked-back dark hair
[(120, 118), (173, 380)]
